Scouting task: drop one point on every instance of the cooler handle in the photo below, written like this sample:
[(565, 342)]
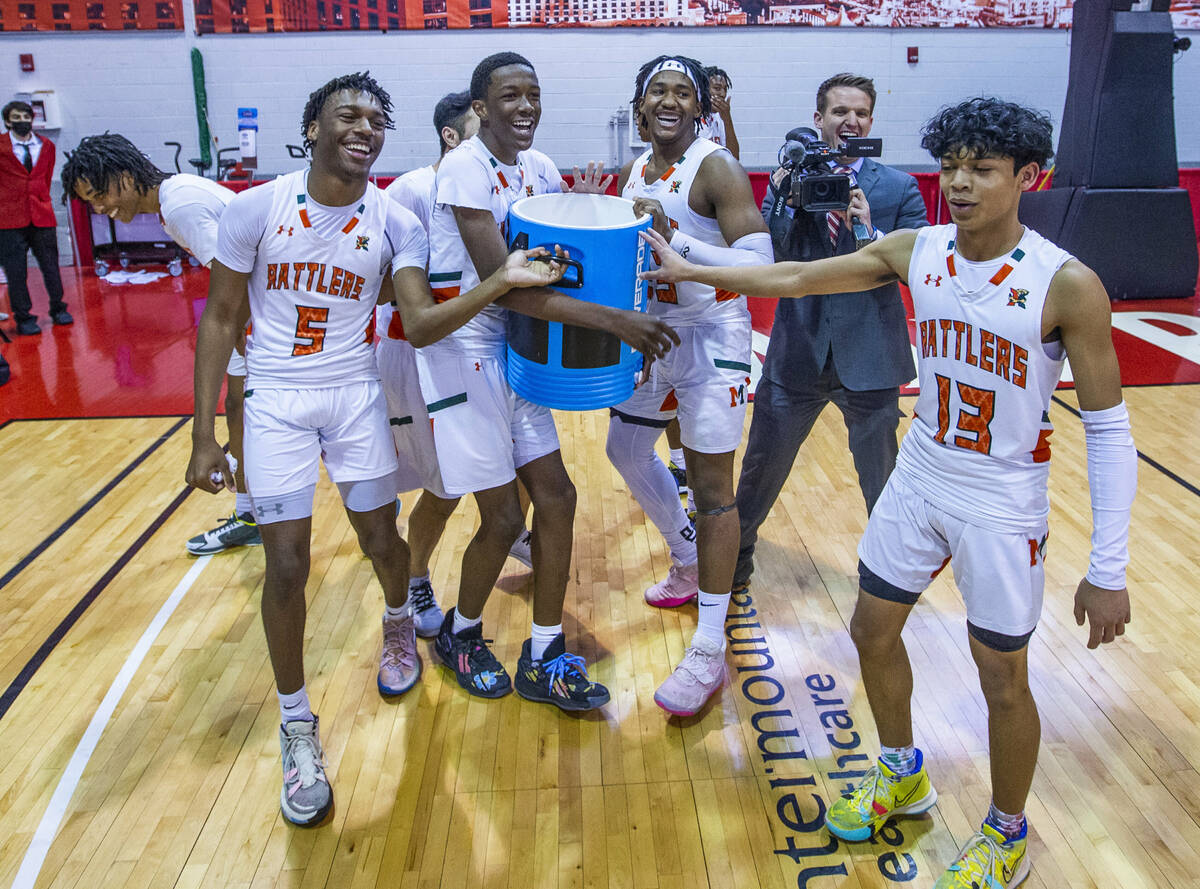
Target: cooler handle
[(521, 242)]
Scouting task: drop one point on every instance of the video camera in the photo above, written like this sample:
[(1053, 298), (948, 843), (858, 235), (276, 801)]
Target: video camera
[(807, 159)]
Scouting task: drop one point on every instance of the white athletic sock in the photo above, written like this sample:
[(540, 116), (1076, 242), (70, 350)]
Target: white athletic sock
[(677, 457), (405, 610), (540, 639), (295, 706), (901, 760), (241, 504), (713, 608), (414, 582), (465, 623)]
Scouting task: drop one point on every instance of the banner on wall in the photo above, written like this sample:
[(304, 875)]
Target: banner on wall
[(246, 16), (91, 15)]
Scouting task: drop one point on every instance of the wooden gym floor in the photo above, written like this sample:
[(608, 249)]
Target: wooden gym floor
[(138, 722)]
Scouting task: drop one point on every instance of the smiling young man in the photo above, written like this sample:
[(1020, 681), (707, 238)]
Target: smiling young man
[(998, 310), (112, 175), (702, 204), (717, 126), (486, 435), (306, 256)]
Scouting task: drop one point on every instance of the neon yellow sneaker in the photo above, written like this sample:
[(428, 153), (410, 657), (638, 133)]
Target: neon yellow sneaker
[(879, 796), (988, 861)]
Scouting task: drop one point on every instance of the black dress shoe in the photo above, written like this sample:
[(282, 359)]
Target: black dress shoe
[(62, 317), (28, 327)]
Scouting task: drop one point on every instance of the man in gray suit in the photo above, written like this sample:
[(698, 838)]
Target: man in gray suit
[(848, 349)]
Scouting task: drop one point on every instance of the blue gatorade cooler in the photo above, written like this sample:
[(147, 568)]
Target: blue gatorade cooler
[(559, 365)]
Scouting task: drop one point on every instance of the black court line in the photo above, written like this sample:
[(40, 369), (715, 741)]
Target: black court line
[(30, 669), (1182, 482), (83, 510)]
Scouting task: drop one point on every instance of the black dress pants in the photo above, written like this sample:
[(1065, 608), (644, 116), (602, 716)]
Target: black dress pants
[(14, 244)]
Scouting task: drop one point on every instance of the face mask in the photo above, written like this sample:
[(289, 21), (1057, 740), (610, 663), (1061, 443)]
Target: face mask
[(21, 127)]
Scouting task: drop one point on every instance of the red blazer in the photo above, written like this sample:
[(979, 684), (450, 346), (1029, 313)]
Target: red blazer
[(25, 194)]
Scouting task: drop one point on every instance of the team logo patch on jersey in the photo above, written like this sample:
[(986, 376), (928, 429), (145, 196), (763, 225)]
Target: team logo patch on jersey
[(1016, 297), (529, 191), (281, 230), (361, 242), (675, 183), (935, 280)]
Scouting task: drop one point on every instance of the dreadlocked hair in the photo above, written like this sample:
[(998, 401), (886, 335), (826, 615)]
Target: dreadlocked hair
[(103, 159), (698, 72), (713, 71), (359, 82), (482, 75), (989, 127)]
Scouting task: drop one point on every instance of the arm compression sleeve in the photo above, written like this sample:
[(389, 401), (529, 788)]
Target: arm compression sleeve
[(752, 249), (1112, 479)]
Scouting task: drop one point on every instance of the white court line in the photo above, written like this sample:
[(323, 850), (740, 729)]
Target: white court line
[(39, 847)]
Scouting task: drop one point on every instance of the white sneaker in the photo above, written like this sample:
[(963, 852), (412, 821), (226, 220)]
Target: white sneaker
[(306, 797), (699, 674), (522, 549), (680, 586)]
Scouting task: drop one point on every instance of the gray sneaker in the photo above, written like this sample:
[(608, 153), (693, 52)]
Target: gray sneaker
[(306, 797), (399, 664), (427, 614), (237, 530), (522, 549)]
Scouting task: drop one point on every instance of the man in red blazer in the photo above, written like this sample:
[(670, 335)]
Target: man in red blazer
[(26, 216)]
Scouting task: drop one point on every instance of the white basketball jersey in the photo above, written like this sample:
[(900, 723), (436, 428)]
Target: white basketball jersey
[(414, 192), (712, 128), (979, 444), (312, 299), (470, 177), (686, 303)]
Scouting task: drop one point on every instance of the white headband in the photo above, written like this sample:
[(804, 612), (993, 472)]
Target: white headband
[(673, 65)]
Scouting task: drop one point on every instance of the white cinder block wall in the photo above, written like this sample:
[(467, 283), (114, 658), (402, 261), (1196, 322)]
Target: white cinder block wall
[(140, 84)]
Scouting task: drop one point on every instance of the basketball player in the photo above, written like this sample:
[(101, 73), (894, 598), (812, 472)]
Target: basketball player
[(305, 256), (717, 126), (454, 121), (999, 308), (703, 207), (117, 180), (486, 435)]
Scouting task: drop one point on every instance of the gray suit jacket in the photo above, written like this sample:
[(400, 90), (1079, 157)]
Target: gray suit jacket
[(866, 331)]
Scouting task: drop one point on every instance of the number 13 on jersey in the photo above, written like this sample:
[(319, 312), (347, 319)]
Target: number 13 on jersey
[(976, 407)]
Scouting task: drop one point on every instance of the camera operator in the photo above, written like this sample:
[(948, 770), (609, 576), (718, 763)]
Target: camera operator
[(851, 350)]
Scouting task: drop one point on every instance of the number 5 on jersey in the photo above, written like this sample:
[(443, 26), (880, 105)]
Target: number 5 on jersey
[(307, 316)]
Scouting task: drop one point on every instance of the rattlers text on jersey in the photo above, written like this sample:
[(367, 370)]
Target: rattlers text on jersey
[(979, 443), (470, 177), (687, 302), (312, 298)]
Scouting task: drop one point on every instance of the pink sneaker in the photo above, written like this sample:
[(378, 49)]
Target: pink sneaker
[(399, 665), (680, 587), (699, 674)]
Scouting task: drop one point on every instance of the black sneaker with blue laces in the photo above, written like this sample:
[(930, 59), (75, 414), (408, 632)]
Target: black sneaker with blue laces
[(558, 678), (680, 477), (474, 665)]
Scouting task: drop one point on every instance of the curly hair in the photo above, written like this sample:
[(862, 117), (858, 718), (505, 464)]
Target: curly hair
[(104, 159), (699, 74), (482, 75), (360, 81), (989, 127)]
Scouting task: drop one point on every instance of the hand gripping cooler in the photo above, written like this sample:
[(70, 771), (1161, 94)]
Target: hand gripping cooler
[(560, 365)]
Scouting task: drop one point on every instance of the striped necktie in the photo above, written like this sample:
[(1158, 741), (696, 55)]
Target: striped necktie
[(833, 219)]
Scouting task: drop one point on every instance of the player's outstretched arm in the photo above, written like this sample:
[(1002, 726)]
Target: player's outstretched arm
[(427, 321), (220, 326), (879, 263), (1077, 307)]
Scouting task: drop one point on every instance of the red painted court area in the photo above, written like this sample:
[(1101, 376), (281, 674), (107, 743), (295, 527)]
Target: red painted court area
[(130, 350)]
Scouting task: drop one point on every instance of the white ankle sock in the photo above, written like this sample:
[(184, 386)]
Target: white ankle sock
[(405, 610), (294, 706), (241, 504), (713, 608), (540, 639), (465, 623), (677, 458), (901, 760)]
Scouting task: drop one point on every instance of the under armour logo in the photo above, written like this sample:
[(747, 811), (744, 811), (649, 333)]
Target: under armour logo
[(261, 509), (280, 231), (477, 367), (936, 281)]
